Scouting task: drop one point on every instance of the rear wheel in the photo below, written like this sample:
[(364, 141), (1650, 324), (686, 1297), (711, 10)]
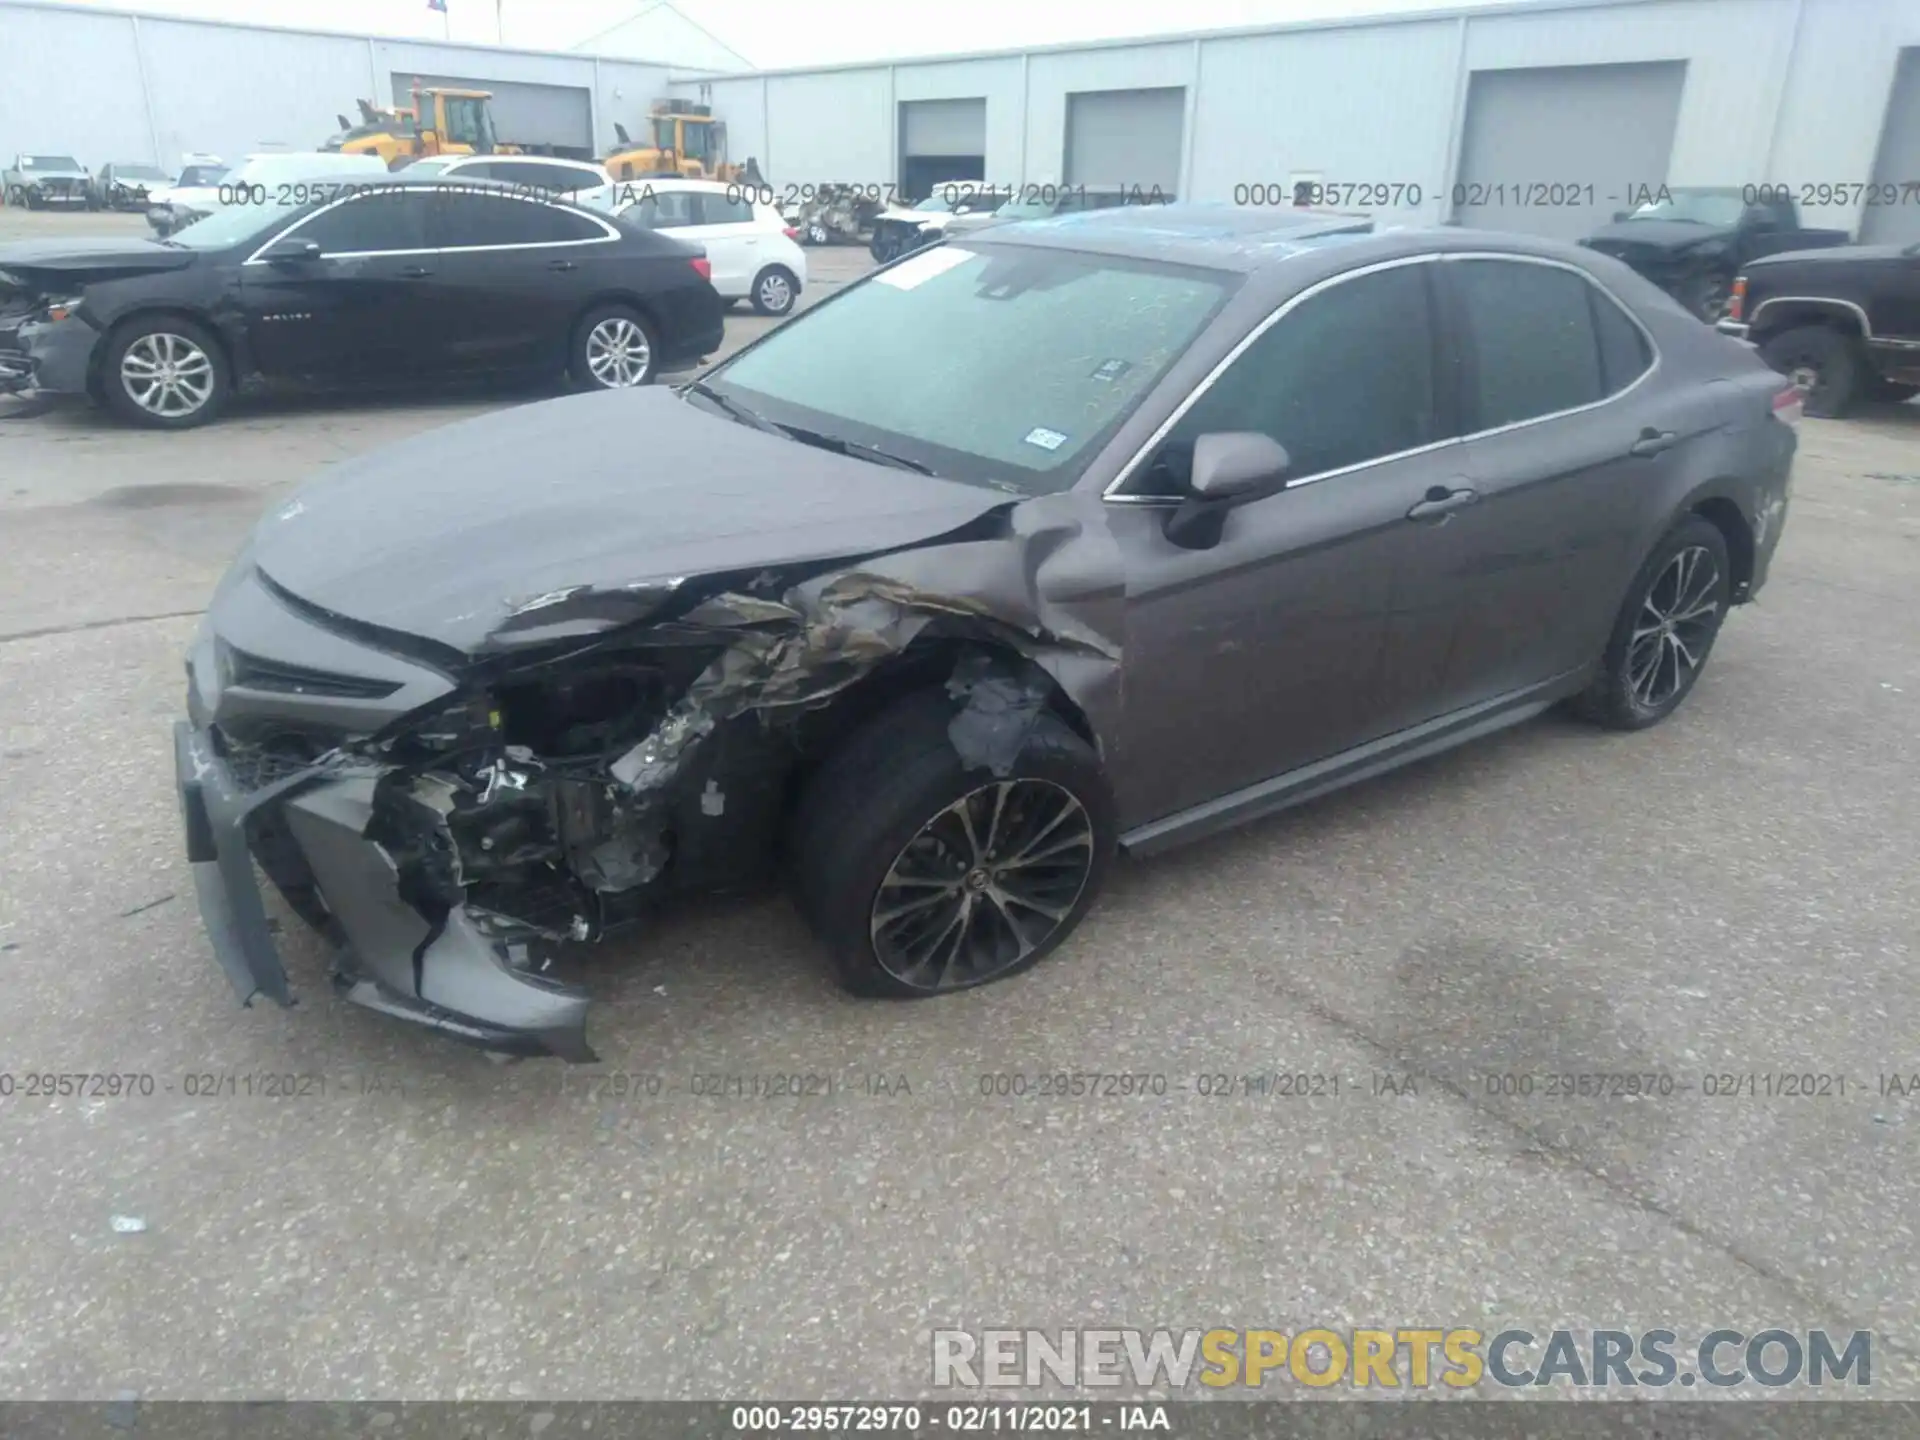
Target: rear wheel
[(164, 371), (774, 291), (614, 348), (1665, 630), (923, 876), (1825, 366)]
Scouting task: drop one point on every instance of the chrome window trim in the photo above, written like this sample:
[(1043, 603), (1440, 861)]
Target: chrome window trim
[(1866, 329), (607, 235), (1433, 257)]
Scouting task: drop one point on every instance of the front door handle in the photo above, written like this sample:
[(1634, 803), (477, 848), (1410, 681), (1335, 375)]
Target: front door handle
[(415, 272), (561, 265), (1652, 442), (1441, 502)]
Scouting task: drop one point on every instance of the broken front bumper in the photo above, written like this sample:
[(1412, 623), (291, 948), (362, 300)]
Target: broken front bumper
[(451, 975)]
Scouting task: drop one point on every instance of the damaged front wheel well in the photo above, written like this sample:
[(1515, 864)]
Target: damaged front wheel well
[(926, 665)]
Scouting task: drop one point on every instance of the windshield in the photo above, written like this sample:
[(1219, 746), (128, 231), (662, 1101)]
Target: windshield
[(49, 162), (139, 172), (1705, 207), (1041, 356), (933, 202), (197, 175), (429, 167), (1024, 210), (230, 225)]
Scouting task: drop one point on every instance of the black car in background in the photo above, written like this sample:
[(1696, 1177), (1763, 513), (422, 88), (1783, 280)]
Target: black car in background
[(126, 187), (383, 283), (1692, 241), (1843, 324)]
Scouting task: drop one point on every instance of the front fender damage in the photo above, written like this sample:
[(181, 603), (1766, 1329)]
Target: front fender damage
[(458, 877)]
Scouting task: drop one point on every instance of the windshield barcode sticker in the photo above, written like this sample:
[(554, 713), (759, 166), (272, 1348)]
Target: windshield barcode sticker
[(1046, 439)]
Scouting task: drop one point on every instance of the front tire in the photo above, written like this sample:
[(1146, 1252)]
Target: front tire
[(775, 290), (1824, 364), (1665, 630), (165, 372), (923, 876), (614, 347)]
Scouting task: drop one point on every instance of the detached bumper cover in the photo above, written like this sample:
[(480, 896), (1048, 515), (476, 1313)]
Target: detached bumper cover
[(449, 976)]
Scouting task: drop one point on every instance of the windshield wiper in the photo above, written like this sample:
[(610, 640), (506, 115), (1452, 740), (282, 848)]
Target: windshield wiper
[(853, 449), (732, 408)]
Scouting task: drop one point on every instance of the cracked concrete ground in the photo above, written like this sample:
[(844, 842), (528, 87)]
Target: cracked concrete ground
[(1734, 892)]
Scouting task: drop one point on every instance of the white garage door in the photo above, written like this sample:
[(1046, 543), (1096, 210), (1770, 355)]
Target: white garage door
[(1898, 164), (1126, 137), (556, 116), (943, 127), (1556, 151)]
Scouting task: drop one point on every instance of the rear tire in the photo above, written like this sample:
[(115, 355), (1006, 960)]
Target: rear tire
[(614, 347), (165, 372), (880, 828), (776, 290), (1826, 364), (1665, 630)]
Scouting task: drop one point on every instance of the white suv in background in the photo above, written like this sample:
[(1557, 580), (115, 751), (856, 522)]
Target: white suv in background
[(751, 247), (577, 178)]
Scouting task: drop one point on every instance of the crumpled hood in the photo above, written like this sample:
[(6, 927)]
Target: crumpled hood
[(446, 535), (105, 254), (1655, 234)]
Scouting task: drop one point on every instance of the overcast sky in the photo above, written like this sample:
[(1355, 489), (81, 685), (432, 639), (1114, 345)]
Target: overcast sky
[(774, 33)]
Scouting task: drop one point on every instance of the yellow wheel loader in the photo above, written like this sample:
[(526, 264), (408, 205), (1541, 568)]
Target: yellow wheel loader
[(685, 140)]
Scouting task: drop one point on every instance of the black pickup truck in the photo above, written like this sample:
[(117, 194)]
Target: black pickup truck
[(1843, 323), (1692, 241)]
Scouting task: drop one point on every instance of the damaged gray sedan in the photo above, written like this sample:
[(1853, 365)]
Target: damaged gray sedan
[(1193, 514)]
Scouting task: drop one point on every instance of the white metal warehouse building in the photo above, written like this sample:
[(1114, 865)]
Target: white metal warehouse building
[(1596, 97)]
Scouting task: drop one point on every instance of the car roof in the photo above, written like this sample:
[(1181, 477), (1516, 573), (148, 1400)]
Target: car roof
[(1246, 240), (459, 160), (685, 182)]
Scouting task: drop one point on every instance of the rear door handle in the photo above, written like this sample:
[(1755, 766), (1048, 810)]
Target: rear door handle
[(415, 272), (561, 265), (1652, 442), (1441, 502)]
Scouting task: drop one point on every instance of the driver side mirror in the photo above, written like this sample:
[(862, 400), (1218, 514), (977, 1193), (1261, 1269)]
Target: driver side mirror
[(291, 251), (1230, 468)]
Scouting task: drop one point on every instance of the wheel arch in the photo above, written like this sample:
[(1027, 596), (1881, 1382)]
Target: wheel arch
[(924, 666), (1778, 315), (1725, 515)]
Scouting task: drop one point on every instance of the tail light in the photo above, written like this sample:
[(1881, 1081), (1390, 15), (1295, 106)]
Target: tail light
[(793, 232), (702, 268), (1737, 298), (1788, 405)]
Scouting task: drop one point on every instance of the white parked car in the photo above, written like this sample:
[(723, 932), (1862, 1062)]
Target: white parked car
[(754, 252), (284, 178), (581, 180)]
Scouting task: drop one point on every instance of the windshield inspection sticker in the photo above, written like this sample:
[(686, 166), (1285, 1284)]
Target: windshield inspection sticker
[(1045, 439), (918, 269), (1111, 370)]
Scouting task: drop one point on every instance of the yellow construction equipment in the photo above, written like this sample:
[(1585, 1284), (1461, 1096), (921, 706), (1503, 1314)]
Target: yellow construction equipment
[(442, 121), (686, 140)]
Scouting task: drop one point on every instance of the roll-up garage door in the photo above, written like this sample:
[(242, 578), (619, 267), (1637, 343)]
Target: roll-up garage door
[(1556, 151), (555, 118), (1897, 221), (941, 141), (1126, 138)]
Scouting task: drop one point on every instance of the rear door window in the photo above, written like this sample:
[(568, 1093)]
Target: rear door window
[(378, 222), (665, 210), (722, 210), (1530, 333), (1624, 353), (471, 219)]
